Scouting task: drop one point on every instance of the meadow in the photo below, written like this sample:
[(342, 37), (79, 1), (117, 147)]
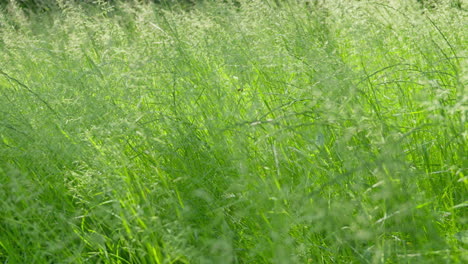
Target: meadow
[(247, 131)]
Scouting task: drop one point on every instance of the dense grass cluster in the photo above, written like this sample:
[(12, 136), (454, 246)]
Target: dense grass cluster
[(246, 132)]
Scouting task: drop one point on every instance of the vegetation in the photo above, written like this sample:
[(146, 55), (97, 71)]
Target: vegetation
[(234, 132)]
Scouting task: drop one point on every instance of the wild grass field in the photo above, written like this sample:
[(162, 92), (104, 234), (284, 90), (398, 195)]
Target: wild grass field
[(251, 131)]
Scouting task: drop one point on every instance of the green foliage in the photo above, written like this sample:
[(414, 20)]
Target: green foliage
[(47, 5), (233, 132)]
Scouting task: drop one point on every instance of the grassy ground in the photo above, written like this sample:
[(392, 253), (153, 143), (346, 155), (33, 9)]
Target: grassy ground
[(251, 133)]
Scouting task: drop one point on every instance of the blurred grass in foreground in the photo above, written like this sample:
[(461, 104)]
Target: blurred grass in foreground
[(234, 133)]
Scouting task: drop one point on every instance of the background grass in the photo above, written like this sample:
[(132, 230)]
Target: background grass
[(246, 132)]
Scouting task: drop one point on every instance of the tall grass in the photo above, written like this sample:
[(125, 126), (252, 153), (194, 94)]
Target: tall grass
[(241, 132)]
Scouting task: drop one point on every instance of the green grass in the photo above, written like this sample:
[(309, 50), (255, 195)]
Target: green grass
[(234, 133)]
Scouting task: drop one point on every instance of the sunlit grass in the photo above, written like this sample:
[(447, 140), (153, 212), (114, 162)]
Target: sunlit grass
[(234, 133)]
